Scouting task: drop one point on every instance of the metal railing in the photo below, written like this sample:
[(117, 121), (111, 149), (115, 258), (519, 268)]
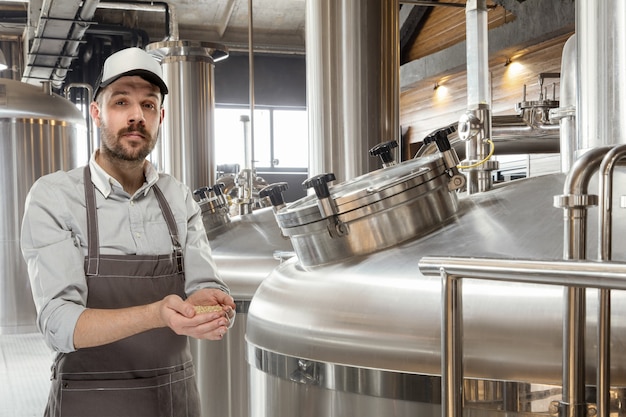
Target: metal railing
[(574, 273)]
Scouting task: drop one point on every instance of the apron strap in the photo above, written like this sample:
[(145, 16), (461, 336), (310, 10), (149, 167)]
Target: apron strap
[(93, 245), (171, 225)]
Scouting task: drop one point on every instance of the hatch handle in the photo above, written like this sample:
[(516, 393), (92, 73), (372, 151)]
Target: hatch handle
[(383, 150), (202, 193), (275, 194), (319, 183), (450, 158), (440, 137)]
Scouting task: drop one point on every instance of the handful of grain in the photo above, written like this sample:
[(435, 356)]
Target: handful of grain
[(207, 309)]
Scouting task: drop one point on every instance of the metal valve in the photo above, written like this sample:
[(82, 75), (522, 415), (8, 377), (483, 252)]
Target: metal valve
[(383, 150)]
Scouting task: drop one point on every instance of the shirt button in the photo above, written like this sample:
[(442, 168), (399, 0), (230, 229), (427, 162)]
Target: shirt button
[(138, 235)]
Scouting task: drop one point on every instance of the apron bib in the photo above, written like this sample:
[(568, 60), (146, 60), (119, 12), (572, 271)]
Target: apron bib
[(150, 374)]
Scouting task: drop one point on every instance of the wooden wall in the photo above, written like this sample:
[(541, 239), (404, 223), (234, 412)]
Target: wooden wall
[(445, 26), (424, 109)]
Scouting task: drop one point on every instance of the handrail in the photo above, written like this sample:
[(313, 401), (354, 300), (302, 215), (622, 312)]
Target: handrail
[(585, 274)]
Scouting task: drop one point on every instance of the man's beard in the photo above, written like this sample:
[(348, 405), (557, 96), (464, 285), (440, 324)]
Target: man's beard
[(112, 146)]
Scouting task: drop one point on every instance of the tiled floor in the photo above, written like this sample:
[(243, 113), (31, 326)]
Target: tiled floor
[(24, 375)]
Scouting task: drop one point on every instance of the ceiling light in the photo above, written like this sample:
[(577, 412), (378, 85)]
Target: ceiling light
[(3, 61)]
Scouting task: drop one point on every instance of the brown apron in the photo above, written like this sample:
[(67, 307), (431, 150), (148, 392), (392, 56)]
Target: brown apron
[(149, 374)]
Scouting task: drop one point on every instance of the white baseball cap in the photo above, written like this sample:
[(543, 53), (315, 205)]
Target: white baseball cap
[(127, 62)]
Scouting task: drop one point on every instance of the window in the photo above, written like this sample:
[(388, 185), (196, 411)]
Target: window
[(280, 138)]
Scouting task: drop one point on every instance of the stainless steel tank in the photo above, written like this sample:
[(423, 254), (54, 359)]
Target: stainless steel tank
[(356, 329), (360, 335), (186, 148), (41, 133), (246, 248)]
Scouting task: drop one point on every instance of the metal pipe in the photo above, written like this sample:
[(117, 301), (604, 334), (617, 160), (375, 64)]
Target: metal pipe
[(91, 146), (575, 202), (451, 346), (70, 49), (605, 210), (251, 76), (579, 274), (478, 96), (590, 274)]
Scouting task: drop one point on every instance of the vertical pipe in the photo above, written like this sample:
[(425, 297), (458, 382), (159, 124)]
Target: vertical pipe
[(567, 101), (251, 84), (574, 248), (478, 94), (605, 210), (451, 346)]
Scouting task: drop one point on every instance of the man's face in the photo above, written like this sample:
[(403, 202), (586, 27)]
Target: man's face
[(129, 114)]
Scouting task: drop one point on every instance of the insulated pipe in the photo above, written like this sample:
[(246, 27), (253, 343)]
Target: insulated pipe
[(70, 50)]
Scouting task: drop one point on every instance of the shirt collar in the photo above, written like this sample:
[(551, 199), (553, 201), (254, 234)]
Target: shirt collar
[(104, 182)]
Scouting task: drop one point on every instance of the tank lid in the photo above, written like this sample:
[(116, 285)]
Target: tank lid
[(365, 190), (21, 100)]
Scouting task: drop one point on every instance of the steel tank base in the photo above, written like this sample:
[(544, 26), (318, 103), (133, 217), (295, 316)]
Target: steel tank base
[(312, 388)]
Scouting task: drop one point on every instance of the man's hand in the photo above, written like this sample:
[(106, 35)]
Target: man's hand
[(182, 318)]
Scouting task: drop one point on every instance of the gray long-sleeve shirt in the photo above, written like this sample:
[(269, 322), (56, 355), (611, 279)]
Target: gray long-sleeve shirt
[(54, 240)]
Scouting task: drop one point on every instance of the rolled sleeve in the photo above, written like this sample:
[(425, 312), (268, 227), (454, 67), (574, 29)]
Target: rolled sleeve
[(200, 268), (55, 267)]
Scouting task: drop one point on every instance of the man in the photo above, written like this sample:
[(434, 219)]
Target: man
[(118, 258)]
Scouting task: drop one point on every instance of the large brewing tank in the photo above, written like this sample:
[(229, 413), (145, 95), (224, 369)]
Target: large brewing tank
[(246, 248), (351, 326), (41, 133)]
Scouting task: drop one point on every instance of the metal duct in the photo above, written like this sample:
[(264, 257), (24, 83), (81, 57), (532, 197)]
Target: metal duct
[(352, 83), (601, 57), (186, 148)]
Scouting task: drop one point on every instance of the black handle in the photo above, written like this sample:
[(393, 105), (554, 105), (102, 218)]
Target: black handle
[(384, 151), (202, 192), (275, 193), (440, 137), (320, 184), (218, 189)]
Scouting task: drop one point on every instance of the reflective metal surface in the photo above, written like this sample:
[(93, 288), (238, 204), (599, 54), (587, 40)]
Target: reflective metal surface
[(186, 148), (246, 249), (41, 133), (353, 61), (379, 312), (372, 212)]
